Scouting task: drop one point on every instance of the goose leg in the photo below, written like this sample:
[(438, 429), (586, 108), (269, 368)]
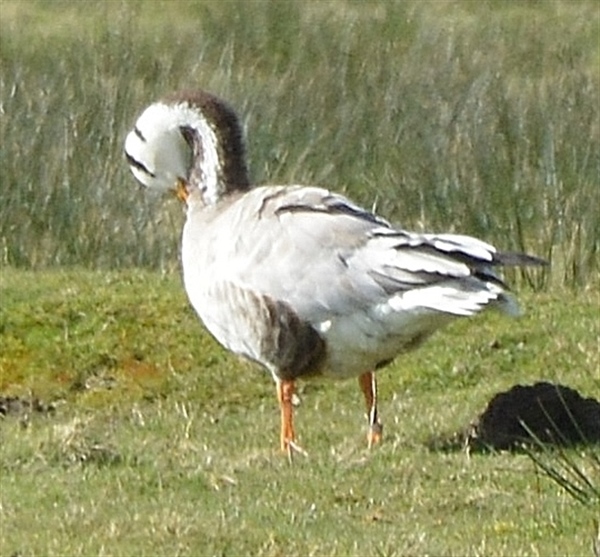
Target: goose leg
[(285, 393), (368, 385)]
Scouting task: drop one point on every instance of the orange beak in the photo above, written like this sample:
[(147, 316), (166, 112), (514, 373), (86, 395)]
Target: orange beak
[(181, 191)]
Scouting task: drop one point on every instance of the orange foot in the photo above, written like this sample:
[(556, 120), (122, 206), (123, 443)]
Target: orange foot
[(375, 434), (285, 393), (368, 385)]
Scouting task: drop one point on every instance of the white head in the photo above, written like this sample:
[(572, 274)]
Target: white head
[(185, 142)]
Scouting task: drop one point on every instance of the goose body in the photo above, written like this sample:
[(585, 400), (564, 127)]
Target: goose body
[(297, 278)]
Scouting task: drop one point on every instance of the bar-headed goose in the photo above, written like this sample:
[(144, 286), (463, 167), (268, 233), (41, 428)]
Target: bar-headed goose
[(297, 278)]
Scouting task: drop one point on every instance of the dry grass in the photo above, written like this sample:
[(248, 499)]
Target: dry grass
[(447, 116)]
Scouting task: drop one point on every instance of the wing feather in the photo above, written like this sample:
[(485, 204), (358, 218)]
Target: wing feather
[(323, 256)]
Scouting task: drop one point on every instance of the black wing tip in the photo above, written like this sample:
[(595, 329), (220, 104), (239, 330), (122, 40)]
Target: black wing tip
[(518, 259)]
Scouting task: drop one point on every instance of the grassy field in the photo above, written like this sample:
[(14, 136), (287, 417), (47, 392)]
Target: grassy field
[(149, 439), (161, 443)]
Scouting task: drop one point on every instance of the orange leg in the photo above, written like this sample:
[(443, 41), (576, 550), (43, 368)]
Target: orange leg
[(285, 393), (368, 385)]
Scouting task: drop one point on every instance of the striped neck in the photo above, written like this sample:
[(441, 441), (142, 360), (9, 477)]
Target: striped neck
[(212, 132)]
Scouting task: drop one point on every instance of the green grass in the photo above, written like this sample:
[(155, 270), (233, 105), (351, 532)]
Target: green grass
[(161, 443), (481, 118)]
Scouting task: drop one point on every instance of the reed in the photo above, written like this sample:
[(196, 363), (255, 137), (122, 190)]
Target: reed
[(445, 116)]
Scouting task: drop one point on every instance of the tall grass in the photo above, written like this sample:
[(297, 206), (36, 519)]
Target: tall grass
[(481, 118)]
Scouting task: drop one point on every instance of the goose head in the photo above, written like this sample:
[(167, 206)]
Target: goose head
[(190, 141)]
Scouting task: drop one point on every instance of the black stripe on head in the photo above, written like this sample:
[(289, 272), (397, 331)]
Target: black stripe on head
[(138, 165), (137, 132)]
